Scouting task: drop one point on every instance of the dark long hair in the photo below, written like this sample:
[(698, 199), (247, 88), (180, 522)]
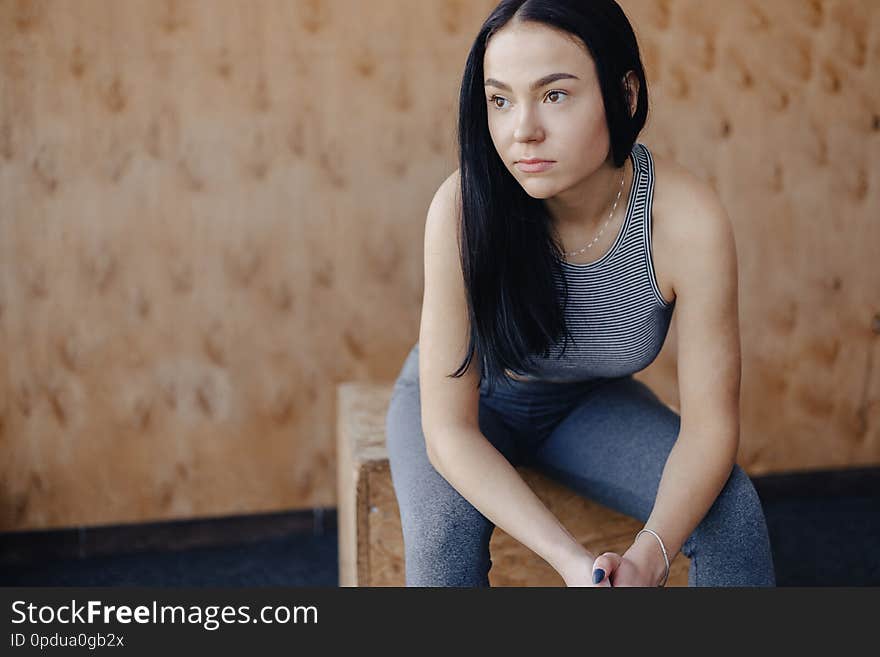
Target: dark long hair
[(510, 260)]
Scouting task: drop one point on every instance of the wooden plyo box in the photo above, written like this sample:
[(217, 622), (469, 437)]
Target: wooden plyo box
[(370, 537)]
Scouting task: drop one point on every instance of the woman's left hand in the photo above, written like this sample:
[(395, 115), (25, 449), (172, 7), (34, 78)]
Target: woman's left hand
[(622, 570)]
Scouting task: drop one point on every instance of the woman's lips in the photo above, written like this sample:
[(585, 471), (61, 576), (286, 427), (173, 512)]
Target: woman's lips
[(534, 167)]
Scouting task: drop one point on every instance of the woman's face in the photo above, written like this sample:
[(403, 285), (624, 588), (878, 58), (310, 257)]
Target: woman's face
[(561, 120)]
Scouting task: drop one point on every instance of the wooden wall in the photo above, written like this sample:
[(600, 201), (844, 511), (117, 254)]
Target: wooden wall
[(211, 213)]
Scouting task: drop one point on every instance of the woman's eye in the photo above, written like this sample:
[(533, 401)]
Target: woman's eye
[(494, 100), (552, 95)]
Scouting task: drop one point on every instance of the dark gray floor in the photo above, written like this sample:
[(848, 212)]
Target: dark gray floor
[(824, 528), (295, 560)]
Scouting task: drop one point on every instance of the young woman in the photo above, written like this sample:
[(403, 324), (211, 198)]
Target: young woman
[(554, 258)]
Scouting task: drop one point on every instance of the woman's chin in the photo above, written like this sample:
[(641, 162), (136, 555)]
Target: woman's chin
[(539, 190)]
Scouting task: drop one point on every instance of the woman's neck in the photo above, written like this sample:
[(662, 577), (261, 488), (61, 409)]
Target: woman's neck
[(585, 208)]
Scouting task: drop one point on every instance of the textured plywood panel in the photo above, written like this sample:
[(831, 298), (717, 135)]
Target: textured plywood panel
[(775, 105), (194, 243), (212, 212)]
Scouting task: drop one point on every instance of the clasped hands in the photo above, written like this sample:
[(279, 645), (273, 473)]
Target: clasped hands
[(636, 567)]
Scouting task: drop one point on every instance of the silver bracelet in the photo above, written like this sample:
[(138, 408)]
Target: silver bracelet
[(662, 547)]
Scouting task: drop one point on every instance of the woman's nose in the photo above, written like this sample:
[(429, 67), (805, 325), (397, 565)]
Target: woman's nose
[(528, 127)]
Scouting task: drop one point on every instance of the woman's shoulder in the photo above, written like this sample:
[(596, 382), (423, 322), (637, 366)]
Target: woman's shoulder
[(673, 183), (444, 212), (450, 188), (686, 210), (681, 202), (679, 196), (447, 199)]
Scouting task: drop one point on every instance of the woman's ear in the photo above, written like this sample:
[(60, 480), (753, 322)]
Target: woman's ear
[(631, 85)]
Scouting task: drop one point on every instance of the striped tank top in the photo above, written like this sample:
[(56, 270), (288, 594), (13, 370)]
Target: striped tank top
[(616, 312)]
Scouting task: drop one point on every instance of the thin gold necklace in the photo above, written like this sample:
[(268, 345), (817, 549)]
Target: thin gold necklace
[(610, 214)]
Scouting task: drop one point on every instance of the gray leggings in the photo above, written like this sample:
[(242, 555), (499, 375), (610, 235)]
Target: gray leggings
[(607, 439)]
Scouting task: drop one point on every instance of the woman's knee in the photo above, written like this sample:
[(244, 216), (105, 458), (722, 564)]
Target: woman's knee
[(731, 545), (449, 547), (736, 514), (741, 500), (404, 439)]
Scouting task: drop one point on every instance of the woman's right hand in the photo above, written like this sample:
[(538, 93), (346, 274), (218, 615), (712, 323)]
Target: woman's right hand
[(580, 574)]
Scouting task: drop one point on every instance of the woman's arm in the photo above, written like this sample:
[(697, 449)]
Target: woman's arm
[(695, 472), (486, 479), (450, 406), (705, 280)]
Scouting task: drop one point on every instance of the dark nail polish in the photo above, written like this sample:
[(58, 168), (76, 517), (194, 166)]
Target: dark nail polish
[(598, 575)]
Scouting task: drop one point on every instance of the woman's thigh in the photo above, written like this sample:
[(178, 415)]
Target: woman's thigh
[(612, 446)]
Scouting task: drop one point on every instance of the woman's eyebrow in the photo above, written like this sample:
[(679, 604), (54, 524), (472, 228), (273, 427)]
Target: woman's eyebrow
[(537, 84)]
